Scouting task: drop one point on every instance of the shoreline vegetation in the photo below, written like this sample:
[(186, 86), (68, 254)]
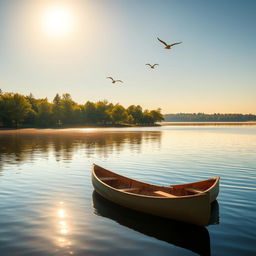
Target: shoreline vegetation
[(19, 111)]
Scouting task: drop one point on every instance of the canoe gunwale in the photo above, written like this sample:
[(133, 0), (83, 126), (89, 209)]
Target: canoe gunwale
[(174, 197), (194, 209), (217, 179)]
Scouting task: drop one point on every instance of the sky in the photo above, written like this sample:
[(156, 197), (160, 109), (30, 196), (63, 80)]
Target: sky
[(49, 47)]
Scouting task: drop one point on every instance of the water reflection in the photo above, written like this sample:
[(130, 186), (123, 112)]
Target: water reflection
[(187, 236), (63, 229), (24, 145), (215, 215)]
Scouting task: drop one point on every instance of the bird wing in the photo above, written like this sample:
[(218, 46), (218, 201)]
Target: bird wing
[(110, 78), (148, 64), (119, 81), (162, 42), (176, 43), (155, 65)]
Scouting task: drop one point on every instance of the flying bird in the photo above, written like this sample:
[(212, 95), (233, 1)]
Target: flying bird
[(168, 46), (152, 66), (114, 81)]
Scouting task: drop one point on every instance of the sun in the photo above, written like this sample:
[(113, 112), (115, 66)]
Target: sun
[(58, 21)]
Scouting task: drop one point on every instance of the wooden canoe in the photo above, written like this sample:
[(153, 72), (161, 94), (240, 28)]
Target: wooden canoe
[(186, 202)]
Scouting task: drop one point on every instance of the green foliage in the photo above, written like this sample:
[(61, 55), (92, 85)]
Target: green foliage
[(57, 110), (68, 109), (89, 113), (13, 109), (119, 114), (147, 117), (136, 113), (30, 118), (156, 115), (16, 109), (103, 110), (137, 116), (44, 115)]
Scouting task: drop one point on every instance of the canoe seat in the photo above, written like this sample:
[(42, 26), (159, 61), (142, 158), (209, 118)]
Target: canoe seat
[(194, 190), (162, 193), (128, 189), (108, 178)]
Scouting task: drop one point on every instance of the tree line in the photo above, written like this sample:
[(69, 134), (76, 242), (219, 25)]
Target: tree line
[(216, 117), (17, 110)]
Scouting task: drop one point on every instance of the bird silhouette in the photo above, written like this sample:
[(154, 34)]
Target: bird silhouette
[(152, 66), (114, 81), (168, 46)]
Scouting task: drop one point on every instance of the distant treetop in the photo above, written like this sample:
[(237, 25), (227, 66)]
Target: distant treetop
[(201, 117), (17, 110)]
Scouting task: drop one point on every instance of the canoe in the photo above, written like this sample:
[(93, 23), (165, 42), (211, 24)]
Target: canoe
[(189, 202)]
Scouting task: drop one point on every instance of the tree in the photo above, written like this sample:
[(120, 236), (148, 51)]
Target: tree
[(147, 117), (13, 108), (57, 99), (130, 119), (32, 114), (68, 107), (57, 110), (103, 110), (89, 112), (45, 117), (33, 102), (16, 109), (119, 114), (156, 115), (136, 113)]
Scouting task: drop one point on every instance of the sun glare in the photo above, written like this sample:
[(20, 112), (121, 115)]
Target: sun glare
[(58, 21)]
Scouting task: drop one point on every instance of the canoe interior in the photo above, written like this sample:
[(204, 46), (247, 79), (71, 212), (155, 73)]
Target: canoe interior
[(128, 185)]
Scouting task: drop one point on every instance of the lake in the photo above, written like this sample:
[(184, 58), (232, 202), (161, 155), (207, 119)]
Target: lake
[(48, 207)]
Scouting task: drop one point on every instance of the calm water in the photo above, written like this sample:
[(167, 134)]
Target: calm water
[(47, 204)]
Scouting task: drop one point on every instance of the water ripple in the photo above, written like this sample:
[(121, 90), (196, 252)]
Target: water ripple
[(46, 204)]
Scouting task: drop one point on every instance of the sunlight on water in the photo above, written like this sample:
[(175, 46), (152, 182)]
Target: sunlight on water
[(38, 166), (63, 231), (87, 130), (61, 213)]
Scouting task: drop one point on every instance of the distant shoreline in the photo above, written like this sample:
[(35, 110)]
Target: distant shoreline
[(207, 123), (210, 118)]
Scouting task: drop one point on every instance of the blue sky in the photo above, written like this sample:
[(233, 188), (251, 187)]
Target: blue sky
[(213, 70)]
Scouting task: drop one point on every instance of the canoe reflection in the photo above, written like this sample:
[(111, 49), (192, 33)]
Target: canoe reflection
[(184, 235), (214, 219)]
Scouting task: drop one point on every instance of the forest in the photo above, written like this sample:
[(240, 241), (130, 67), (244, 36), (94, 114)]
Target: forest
[(201, 117), (17, 110)]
